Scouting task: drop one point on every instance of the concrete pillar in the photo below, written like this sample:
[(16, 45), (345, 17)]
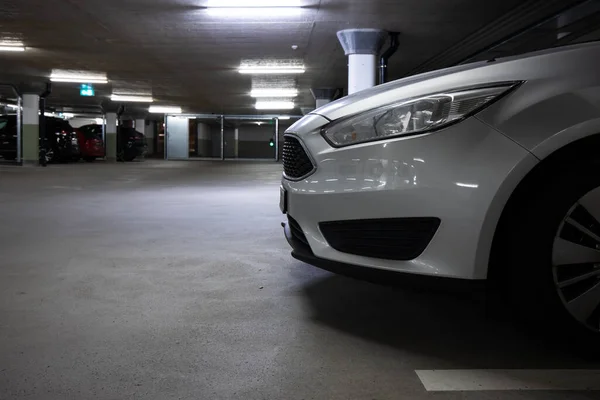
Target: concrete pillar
[(111, 136), (361, 46), (236, 139), (324, 95), (140, 126), (31, 129)]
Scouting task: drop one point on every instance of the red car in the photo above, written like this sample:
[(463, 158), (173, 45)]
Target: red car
[(90, 143)]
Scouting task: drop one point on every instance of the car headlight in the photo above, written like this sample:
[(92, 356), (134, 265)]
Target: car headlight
[(413, 116)]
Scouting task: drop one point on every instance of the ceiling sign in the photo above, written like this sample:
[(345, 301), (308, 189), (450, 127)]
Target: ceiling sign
[(86, 90)]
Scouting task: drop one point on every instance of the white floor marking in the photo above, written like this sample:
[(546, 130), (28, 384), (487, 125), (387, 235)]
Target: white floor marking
[(509, 379)]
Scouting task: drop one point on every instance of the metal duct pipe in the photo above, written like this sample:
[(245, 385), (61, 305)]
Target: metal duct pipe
[(361, 46), (386, 55)]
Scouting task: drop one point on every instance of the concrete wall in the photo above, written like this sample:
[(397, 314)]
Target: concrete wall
[(230, 150), (215, 142), (254, 141), (204, 140)]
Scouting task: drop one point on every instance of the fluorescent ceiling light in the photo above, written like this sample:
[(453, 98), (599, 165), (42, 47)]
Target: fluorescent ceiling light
[(284, 117), (274, 105), (12, 46), (271, 69), (253, 4), (99, 121), (77, 78), (274, 93), (138, 99), (13, 106), (164, 110), (255, 8), (253, 12)]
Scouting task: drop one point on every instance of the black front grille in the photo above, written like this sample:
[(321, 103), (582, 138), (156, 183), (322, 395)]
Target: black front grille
[(392, 239), (297, 232), (296, 163)]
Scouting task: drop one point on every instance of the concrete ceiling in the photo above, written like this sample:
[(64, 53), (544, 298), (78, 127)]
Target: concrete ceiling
[(184, 55)]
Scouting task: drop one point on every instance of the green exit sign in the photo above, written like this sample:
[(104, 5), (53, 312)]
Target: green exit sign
[(86, 90)]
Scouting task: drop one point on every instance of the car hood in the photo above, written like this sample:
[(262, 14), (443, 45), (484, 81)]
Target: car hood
[(539, 65)]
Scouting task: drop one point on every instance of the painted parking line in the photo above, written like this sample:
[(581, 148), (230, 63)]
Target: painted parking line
[(509, 379)]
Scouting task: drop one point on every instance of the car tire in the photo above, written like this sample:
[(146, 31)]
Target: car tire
[(51, 156), (548, 256), (89, 159)]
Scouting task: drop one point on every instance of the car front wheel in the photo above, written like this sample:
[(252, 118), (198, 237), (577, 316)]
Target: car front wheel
[(576, 260), (553, 254)]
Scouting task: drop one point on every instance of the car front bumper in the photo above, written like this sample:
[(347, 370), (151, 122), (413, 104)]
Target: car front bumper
[(452, 175)]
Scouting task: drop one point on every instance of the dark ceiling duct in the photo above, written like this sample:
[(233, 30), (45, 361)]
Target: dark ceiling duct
[(386, 56), (525, 16)]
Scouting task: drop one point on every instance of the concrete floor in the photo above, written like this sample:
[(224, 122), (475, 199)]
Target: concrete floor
[(172, 280)]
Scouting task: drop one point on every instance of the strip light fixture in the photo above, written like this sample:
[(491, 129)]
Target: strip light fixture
[(274, 105), (11, 46), (271, 69), (253, 4), (134, 99), (274, 93), (253, 8), (164, 110), (78, 78)]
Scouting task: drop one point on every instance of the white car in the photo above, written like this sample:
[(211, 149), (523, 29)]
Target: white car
[(488, 170)]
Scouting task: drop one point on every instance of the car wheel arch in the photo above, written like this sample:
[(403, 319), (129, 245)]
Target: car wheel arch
[(573, 152)]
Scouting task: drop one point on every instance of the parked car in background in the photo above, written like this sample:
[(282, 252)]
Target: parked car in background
[(60, 144), (132, 144), (91, 143)]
